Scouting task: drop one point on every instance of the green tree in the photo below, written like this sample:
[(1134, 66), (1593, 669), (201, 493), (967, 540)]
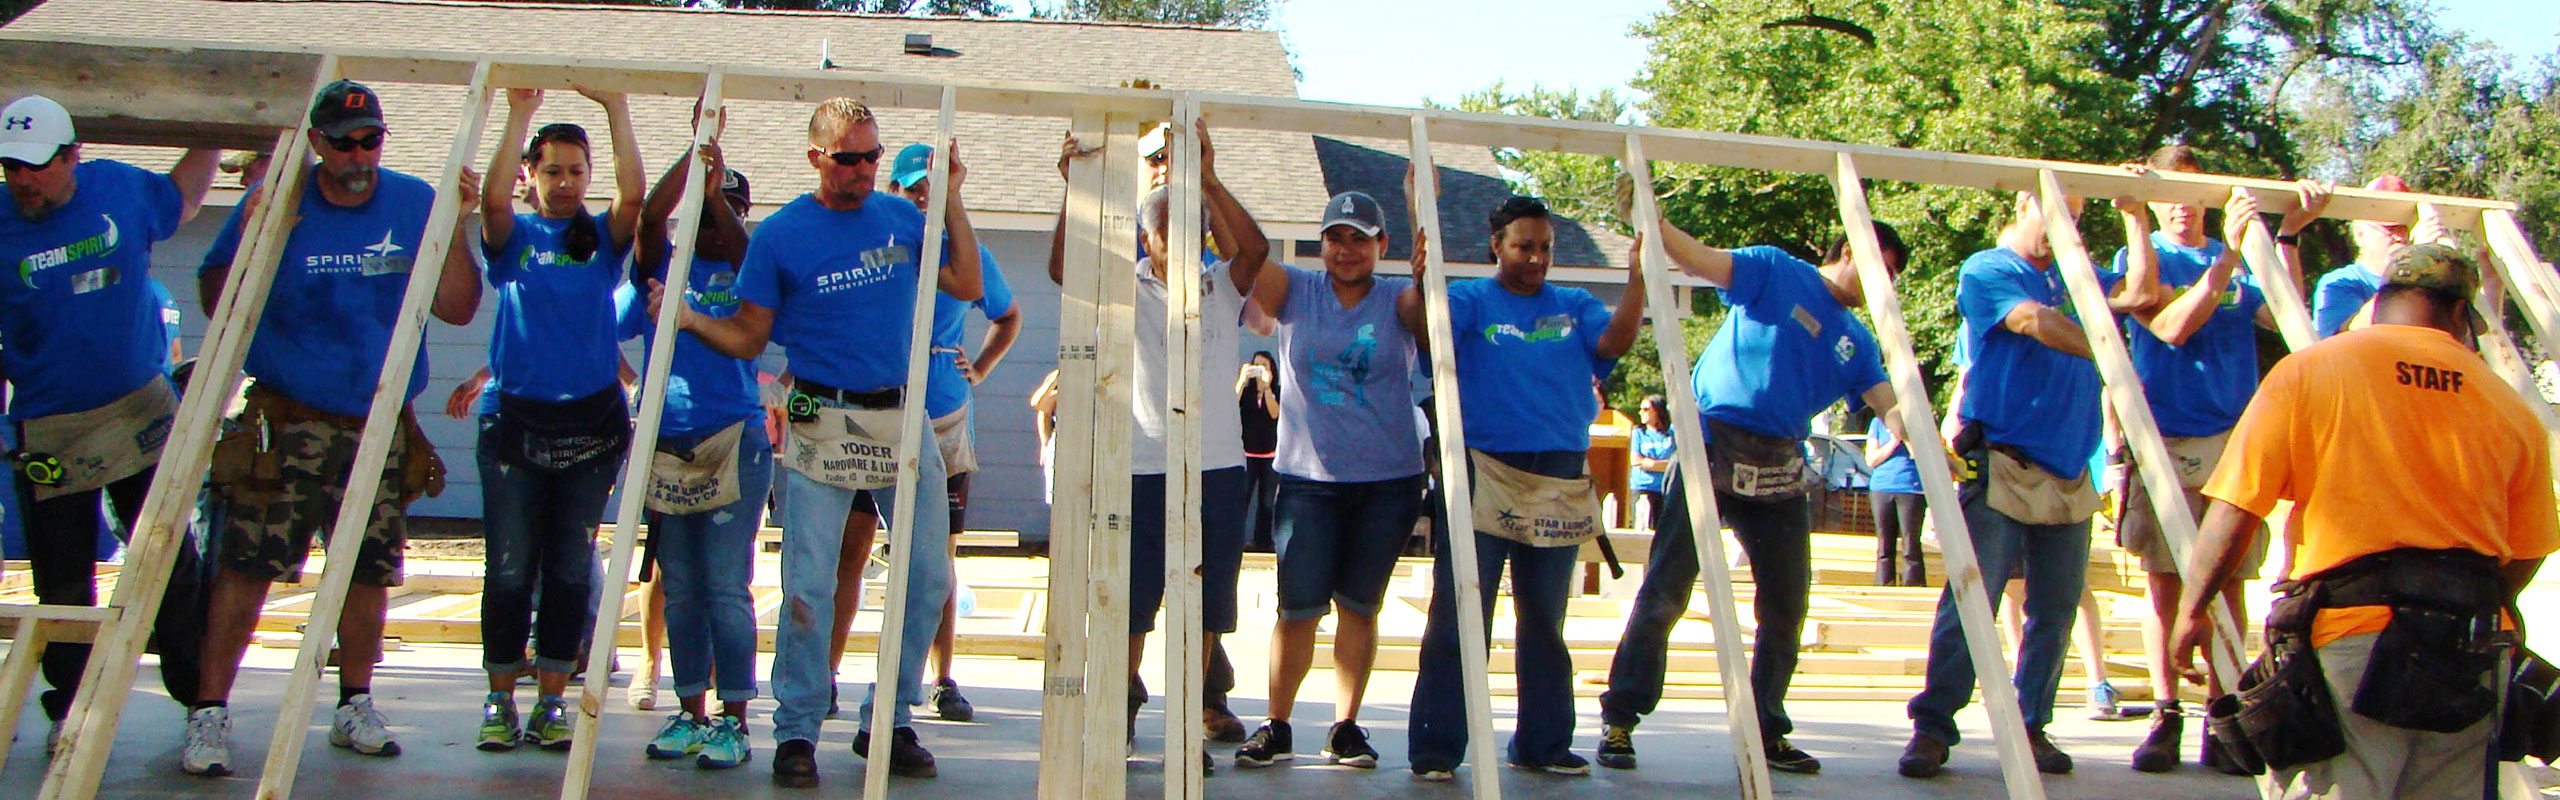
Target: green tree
[(1227, 13)]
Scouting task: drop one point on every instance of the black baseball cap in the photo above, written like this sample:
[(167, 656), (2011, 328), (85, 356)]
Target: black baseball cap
[(734, 184), (345, 107)]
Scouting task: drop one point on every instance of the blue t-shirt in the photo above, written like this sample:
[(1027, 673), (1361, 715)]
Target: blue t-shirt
[(1650, 443), (1346, 406), (1525, 365), (706, 391), (945, 389), (2199, 388), (2035, 398), (842, 287), (1898, 474), (555, 337), (2341, 294), (78, 315), (337, 291), (171, 320), (1786, 351)]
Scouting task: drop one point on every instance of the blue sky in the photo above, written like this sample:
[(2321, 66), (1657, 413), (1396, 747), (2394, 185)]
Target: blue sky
[(1397, 52)]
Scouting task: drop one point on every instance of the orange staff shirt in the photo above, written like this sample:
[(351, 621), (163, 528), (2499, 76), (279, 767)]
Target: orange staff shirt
[(2387, 437)]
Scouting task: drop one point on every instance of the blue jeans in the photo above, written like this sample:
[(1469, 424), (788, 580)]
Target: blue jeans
[(1222, 507), (2057, 569), (541, 529), (1540, 578), (1776, 534), (1339, 542), (705, 561), (812, 534)]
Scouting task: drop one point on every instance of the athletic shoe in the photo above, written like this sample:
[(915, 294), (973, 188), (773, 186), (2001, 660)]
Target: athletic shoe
[(208, 749), (1221, 725), (724, 745), (681, 737), (2106, 704), (549, 729), (1617, 747), (1784, 757), (795, 764), (1268, 744), (499, 728), (2049, 759), (357, 726), (1923, 757), (643, 691), (1434, 771), (1347, 744), (907, 756), (1568, 764), (948, 703)]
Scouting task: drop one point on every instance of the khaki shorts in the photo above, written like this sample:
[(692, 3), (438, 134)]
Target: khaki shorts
[(266, 532), (2138, 527)]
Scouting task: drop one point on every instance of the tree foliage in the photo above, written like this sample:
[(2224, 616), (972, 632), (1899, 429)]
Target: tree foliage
[(1225, 13), (2081, 80)]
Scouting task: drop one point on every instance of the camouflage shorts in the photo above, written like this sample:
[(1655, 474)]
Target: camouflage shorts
[(267, 531)]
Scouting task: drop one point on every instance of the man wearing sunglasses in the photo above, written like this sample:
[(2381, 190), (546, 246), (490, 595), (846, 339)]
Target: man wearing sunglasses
[(86, 353), (832, 276), (316, 358)]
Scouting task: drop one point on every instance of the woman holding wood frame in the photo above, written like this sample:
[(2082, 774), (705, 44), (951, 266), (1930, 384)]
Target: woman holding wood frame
[(553, 434), (1350, 463), (1527, 351)]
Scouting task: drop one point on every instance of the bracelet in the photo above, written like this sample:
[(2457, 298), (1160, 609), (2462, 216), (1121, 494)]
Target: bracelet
[(2289, 239)]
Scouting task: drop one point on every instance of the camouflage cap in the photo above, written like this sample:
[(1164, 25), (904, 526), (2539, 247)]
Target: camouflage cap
[(2434, 266)]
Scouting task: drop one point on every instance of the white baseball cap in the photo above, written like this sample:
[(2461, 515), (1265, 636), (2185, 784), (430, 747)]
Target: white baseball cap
[(33, 128)]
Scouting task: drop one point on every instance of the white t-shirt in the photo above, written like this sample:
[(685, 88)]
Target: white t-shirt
[(1221, 317)]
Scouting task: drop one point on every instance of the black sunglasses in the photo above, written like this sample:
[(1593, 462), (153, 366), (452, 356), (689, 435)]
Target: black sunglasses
[(348, 144), (856, 157), (14, 165)]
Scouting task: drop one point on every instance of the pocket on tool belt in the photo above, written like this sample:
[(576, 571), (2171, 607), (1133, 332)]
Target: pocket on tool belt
[(246, 465), (2425, 675), (2286, 712)]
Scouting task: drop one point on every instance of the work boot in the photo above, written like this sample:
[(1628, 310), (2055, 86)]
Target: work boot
[(1221, 724), (907, 756), (2050, 760), (1923, 757), (2159, 750), (795, 764)]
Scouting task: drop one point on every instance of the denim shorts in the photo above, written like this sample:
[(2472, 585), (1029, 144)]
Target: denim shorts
[(1222, 502), (1339, 542)]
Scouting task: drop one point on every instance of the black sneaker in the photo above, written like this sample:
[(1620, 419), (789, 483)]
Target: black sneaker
[(795, 764), (2050, 760), (1568, 764), (1268, 744), (948, 703), (1784, 757), (1923, 757), (1348, 745), (1617, 747), (907, 757)]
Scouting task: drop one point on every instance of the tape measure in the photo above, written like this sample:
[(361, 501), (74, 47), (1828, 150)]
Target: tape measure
[(40, 469), (801, 407)]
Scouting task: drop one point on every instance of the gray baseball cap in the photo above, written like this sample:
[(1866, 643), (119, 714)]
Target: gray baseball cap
[(1355, 209)]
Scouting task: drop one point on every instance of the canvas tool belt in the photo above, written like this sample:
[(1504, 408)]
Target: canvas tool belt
[(700, 478), (249, 468), (2025, 492), (959, 449), (1529, 508), (85, 450), (848, 440), (2426, 670), (1753, 465), (2195, 457), (561, 436)]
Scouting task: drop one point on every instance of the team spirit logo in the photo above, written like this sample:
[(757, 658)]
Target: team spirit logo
[(385, 257), (874, 265), (1844, 349), (1550, 329), (98, 246), (719, 293)]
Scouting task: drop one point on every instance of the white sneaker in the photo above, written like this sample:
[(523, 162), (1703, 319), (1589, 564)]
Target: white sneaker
[(208, 750), (643, 693), (357, 726)]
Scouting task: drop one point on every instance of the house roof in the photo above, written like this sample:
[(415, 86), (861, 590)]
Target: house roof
[(1469, 189), (1012, 158)]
